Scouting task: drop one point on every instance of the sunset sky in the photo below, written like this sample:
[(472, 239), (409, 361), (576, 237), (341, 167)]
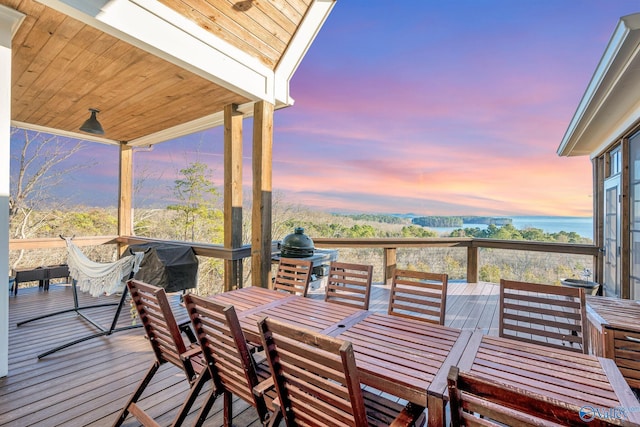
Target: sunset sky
[(430, 107)]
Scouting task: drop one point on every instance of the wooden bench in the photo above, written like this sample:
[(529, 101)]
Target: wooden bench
[(42, 274)]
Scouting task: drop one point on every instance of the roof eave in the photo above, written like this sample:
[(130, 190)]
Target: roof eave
[(593, 125)]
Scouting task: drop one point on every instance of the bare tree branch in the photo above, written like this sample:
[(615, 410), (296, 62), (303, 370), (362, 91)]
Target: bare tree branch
[(36, 174)]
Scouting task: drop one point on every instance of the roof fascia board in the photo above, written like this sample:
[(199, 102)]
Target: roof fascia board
[(53, 131), (157, 29), (307, 31), (610, 69)]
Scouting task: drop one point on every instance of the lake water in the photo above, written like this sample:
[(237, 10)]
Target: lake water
[(549, 224)]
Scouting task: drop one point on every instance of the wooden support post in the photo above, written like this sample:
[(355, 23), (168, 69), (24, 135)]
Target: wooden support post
[(472, 264), (389, 260), (262, 197), (232, 194), (125, 201)]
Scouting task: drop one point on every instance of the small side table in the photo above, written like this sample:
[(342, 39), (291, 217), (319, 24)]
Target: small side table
[(42, 274)]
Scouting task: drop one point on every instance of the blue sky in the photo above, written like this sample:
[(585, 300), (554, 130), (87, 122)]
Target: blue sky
[(431, 107)]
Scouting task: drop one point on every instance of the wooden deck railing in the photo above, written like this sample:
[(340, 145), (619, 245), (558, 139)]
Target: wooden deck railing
[(388, 245), (203, 249)]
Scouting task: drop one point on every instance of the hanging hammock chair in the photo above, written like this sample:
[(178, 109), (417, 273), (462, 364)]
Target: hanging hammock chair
[(97, 279)]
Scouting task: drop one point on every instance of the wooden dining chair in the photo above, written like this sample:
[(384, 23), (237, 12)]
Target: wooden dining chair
[(293, 276), (554, 316), (476, 400), (230, 363), (163, 333), (418, 295), (317, 381), (349, 284)]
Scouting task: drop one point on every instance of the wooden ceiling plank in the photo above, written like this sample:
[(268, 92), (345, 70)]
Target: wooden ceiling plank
[(260, 44), (141, 77), (290, 13), (263, 26), (22, 55), (76, 100), (159, 94), (267, 14), (155, 84), (212, 19), (139, 126), (300, 6), (60, 74), (90, 79), (182, 106), (35, 53), (67, 98)]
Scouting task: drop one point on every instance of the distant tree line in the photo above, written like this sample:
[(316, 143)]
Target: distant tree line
[(330, 229), (458, 221), (386, 219), (438, 221), (509, 232), (489, 220)]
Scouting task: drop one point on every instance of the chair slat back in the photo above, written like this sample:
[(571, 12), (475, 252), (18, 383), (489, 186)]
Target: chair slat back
[(293, 276), (161, 328), (315, 376), (477, 400), (419, 295), (349, 284), (224, 348), (554, 316)]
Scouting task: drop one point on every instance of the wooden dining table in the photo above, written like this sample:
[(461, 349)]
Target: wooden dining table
[(588, 381), (253, 303), (406, 358)]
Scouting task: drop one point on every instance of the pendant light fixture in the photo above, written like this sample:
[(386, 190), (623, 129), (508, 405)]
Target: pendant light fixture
[(92, 125)]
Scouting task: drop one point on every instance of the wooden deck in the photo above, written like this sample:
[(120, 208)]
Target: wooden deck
[(88, 383)]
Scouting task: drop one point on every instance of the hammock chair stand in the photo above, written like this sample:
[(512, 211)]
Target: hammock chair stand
[(102, 330)]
